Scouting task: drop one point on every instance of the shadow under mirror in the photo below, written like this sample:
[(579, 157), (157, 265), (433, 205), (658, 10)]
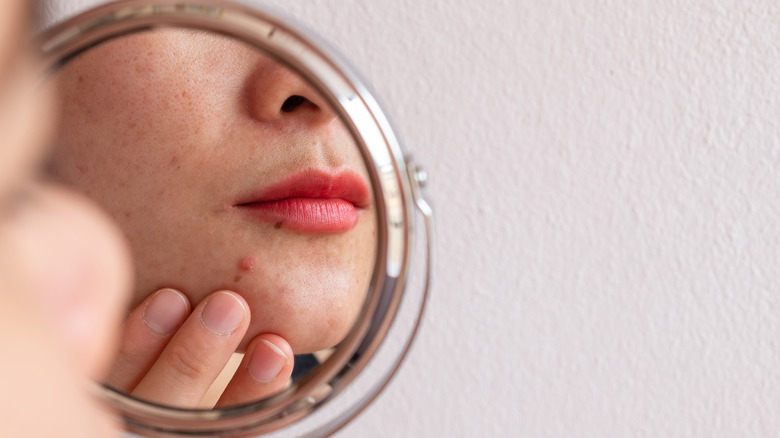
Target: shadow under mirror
[(247, 205)]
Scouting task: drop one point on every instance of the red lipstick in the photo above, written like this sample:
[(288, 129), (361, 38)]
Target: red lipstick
[(311, 201)]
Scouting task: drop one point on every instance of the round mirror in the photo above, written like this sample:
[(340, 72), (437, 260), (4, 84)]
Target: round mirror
[(267, 204)]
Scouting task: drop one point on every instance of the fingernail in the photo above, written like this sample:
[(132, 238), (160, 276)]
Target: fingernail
[(223, 313), (165, 312), (266, 362)]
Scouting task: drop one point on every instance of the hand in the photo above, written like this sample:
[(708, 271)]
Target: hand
[(171, 355), (62, 297)]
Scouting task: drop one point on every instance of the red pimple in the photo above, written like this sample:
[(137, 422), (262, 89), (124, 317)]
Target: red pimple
[(247, 264)]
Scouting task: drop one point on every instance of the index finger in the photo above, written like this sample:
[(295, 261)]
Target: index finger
[(146, 332), (198, 352)]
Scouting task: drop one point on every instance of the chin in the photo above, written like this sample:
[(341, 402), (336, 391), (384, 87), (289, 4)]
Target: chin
[(312, 310), (307, 331)]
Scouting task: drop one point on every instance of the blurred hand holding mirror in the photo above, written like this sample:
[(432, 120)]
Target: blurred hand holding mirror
[(266, 207)]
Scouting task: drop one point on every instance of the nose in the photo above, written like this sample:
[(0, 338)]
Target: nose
[(278, 93)]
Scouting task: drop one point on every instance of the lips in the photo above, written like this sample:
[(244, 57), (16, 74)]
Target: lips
[(311, 201)]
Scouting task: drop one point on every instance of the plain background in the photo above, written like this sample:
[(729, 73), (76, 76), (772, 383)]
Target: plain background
[(605, 181)]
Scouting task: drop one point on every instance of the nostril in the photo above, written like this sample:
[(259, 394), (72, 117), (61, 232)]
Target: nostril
[(292, 102)]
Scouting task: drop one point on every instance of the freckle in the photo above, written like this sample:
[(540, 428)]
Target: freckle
[(247, 264), (175, 160), (278, 225), (236, 279)]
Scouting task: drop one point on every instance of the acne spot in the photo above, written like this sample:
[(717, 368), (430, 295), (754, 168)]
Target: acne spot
[(247, 264)]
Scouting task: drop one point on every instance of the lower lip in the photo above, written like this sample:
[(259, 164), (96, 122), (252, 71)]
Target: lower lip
[(307, 215)]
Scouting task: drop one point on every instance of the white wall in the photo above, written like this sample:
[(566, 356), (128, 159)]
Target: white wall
[(604, 176), (605, 179)]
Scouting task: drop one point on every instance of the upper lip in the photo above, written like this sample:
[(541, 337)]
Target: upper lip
[(343, 184)]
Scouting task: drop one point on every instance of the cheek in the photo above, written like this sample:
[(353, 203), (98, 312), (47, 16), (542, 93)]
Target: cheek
[(312, 309), (132, 144)]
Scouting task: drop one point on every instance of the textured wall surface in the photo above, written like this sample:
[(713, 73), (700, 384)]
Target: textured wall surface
[(603, 174)]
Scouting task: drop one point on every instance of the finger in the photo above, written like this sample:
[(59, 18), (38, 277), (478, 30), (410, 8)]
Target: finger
[(264, 371), (198, 352), (145, 334)]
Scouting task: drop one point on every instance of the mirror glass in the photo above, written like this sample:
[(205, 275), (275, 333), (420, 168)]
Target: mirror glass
[(247, 205)]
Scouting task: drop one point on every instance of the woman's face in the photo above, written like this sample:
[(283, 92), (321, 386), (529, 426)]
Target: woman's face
[(223, 177)]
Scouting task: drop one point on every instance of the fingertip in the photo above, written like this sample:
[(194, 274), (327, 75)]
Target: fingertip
[(235, 295), (271, 358), (279, 342), (264, 371), (224, 312), (165, 311)]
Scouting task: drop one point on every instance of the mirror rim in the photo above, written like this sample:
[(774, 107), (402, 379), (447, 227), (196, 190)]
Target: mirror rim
[(396, 192)]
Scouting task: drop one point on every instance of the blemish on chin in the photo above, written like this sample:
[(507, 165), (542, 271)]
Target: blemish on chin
[(247, 264)]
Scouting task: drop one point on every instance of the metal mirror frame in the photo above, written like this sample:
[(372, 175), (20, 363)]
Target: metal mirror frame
[(396, 182)]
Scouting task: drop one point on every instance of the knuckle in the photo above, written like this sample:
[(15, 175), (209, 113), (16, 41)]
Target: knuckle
[(187, 364)]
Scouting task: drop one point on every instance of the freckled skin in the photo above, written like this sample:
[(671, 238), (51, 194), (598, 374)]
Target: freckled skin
[(166, 129)]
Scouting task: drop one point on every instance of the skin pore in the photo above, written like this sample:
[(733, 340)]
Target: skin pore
[(171, 131)]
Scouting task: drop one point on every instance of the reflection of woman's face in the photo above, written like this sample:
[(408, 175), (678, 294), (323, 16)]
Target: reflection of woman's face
[(221, 182)]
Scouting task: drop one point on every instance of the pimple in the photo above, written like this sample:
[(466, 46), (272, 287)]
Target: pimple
[(247, 264)]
